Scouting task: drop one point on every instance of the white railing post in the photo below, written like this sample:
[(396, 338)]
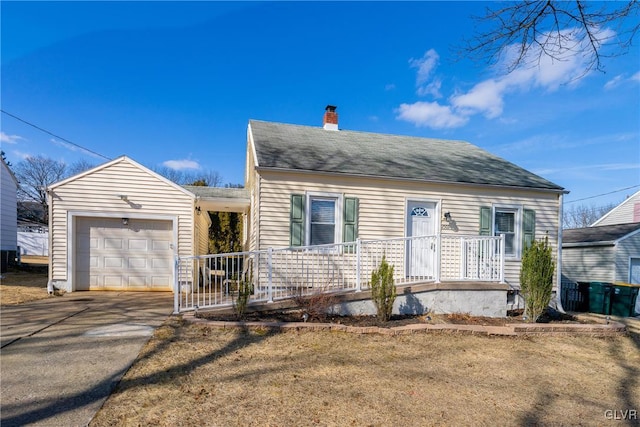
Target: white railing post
[(358, 261), (438, 256), (502, 252), (270, 274), (176, 286)]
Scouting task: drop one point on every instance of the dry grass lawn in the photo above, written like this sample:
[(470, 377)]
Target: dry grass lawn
[(194, 375), (17, 287)]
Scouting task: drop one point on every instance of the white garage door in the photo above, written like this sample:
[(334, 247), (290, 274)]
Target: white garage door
[(110, 255)]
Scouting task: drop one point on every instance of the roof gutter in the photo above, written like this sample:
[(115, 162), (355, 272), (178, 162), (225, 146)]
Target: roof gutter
[(349, 175), (587, 244)]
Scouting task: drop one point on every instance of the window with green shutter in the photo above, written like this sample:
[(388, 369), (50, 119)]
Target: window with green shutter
[(516, 224), (322, 218)]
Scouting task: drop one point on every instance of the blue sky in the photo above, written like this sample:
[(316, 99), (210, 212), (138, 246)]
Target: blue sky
[(175, 84)]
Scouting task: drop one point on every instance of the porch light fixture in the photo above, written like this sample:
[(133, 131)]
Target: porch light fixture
[(447, 216), (198, 210), (124, 197), (125, 221)]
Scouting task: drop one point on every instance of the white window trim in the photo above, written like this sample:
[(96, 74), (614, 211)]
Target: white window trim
[(517, 209), (338, 214)]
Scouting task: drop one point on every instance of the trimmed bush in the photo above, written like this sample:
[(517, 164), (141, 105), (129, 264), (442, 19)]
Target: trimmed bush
[(383, 291), (536, 278)]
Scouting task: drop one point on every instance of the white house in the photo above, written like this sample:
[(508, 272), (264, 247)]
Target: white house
[(8, 216), (458, 219)]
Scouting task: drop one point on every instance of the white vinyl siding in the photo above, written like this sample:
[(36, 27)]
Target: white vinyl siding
[(588, 264), (382, 203), (626, 249), (97, 194), (8, 211), (624, 213)]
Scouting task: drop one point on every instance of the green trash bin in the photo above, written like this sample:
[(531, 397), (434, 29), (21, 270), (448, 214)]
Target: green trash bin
[(600, 297), (623, 300)]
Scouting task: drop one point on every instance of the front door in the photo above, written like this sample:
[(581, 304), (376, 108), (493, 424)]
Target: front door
[(421, 221)]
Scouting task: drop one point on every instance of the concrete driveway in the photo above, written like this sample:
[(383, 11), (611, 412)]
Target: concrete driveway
[(62, 357)]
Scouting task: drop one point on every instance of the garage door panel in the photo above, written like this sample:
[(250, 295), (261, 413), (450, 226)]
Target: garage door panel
[(113, 262), (138, 263), (138, 244), (161, 245), (111, 255), (110, 243)]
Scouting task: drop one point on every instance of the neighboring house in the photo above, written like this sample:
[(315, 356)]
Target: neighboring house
[(607, 253), (307, 186), (8, 216), (626, 212), (119, 226), (33, 239)]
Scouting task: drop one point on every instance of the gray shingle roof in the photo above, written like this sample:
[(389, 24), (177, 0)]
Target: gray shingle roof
[(604, 233), (218, 192), (306, 148)]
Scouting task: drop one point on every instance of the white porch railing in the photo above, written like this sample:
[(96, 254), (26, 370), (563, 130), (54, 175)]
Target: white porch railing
[(274, 274)]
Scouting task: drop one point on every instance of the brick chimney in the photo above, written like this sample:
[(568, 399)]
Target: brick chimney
[(330, 119)]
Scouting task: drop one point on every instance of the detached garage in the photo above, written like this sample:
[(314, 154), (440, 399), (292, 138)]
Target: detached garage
[(119, 227)]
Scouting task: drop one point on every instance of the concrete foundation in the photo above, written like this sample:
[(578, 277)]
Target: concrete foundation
[(481, 302)]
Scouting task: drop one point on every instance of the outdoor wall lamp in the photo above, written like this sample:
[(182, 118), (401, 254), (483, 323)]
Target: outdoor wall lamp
[(447, 216), (198, 210), (125, 221), (124, 197)]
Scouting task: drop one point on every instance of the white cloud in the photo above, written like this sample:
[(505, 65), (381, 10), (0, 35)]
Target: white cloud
[(181, 164), (614, 82), (591, 169), (430, 114), (621, 79), (426, 65), (72, 147), (485, 97), (10, 139), (488, 96)]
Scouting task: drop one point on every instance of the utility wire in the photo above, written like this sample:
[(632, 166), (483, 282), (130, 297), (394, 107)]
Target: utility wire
[(54, 135), (604, 194)]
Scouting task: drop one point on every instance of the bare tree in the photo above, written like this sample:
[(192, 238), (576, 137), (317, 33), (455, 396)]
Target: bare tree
[(206, 178), (35, 174), (522, 33), (79, 167), (579, 216)]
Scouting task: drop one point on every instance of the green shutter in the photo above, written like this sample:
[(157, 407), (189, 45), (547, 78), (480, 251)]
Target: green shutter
[(296, 216), (485, 221), (350, 221), (528, 227)]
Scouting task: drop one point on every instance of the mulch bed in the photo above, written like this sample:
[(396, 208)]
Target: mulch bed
[(396, 320)]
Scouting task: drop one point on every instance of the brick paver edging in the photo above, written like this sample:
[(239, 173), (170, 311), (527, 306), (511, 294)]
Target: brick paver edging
[(511, 329)]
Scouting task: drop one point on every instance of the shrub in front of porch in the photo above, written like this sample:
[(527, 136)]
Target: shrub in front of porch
[(536, 278), (383, 290)]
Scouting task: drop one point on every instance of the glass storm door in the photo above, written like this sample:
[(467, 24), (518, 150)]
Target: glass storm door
[(421, 252)]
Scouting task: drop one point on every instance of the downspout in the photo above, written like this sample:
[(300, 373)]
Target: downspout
[(50, 242), (559, 257)]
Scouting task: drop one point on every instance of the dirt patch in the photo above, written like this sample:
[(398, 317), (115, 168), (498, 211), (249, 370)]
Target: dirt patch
[(17, 287), (396, 320)]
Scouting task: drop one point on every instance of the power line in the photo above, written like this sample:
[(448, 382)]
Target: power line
[(603, 194), (54, 135)]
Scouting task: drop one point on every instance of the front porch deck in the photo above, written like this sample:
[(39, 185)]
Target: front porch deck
[(278, 274)]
